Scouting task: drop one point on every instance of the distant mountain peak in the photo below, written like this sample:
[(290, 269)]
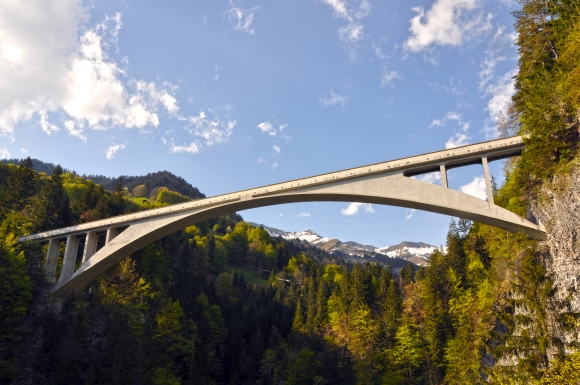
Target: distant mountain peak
[(415, 252)]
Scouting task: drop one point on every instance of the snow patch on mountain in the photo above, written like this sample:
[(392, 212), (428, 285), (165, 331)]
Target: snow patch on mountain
[(415, 252)]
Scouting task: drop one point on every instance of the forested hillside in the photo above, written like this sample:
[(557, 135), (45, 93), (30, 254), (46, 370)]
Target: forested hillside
[(222, 302)]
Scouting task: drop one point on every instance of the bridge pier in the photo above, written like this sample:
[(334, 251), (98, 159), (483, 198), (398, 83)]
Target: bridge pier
[(70, 254), (112, 232), (68, 261), (443, 171), (487, 180), (51, 258), (90, 245)]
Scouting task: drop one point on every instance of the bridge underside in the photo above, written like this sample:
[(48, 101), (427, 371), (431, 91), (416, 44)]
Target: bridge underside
[(394, 190)]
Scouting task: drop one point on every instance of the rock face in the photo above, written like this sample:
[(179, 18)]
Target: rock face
[(559, 210)]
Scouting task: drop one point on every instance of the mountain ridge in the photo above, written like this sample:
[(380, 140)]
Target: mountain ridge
[(415, 252)]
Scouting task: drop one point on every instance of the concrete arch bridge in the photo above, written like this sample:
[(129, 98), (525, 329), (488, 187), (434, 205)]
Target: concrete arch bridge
[(97, 246)]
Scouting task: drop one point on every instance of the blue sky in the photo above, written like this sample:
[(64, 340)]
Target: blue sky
[(237, 94)]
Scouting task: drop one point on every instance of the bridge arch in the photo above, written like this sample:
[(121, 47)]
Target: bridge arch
[(385, 184)]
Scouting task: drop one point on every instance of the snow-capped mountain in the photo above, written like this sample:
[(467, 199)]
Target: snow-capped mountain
[(415, 252)]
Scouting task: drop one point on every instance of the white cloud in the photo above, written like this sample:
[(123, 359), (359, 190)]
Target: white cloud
[(303, 215), (453, 116), (388, 76), (411, 212), (192, 148), (277, 149), (267, 128), (457, 140), (475, 188), (158, 96), (212, 128), (242, 18), (499, 48), (45, 124), (354, 208), (447, 22), (333, 99), (500, 93), (353, 31), (4, 153), (112, 150), (75, 129), (47, 67), (432, 177)]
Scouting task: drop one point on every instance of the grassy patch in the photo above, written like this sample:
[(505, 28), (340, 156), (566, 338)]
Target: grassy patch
[(252, 276), (140, 200)]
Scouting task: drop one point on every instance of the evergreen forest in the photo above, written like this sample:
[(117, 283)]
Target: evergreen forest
[(222, 302)]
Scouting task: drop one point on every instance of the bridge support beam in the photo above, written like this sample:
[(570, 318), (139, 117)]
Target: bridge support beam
[(90, 245), (51, 258), (111, 234), (443, 171), (68, 261), (487, 180)]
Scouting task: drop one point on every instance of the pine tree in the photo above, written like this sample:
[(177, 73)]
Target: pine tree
[(117, 202), (20, 187), (298, 323), (52, 209)]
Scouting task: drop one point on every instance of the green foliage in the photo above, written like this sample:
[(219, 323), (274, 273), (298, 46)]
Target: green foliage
[(140, 191), (16, 289), (51, 206), (547, 88), (171, 197), (19, 188)]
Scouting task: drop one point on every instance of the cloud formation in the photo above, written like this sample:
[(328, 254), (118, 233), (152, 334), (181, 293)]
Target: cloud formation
[(112, 150), (353, 29), (411, 213), (499, 89), (475, 188), (211, 128), (303, 215), (332, 99), (460, 138), (355, 207), (242, 18), (447, 22), (4, 153), (267, 128), (46, 68), (192, 148), (431, 177), (500, 95), (273, 129), (388, 77)]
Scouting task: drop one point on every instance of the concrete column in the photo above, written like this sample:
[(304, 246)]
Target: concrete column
[(443, 171), (487, 180), (111, 234), (90, 245), (51, 258), (68, 262)]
